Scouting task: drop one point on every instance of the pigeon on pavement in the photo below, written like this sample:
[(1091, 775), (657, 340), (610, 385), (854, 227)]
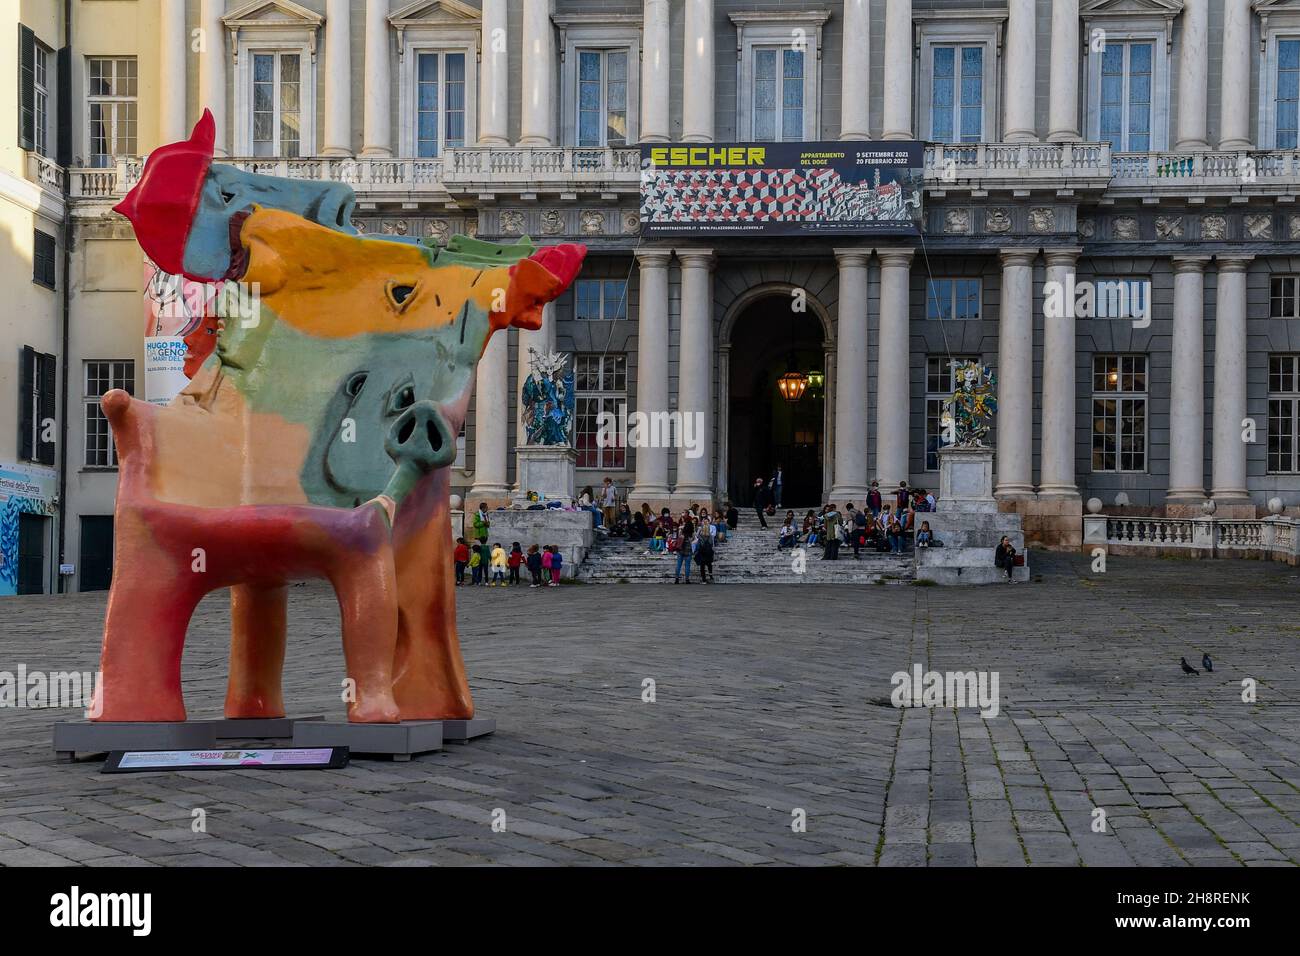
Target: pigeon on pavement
[(1207, 663), (1188, 668)]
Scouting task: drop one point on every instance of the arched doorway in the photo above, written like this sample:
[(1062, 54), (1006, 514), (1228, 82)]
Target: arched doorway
[(765, 338)]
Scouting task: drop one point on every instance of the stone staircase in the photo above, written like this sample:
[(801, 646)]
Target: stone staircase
[(749, 556)]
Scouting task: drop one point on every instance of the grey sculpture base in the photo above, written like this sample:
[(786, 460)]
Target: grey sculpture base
[(255, 728), (97, 737), (400, 741), (463, 731)]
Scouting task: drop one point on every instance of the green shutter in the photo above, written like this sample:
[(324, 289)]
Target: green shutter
[(26, 387), (47, 408), (26, 88)]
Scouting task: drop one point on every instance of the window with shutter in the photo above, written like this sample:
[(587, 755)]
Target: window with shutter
[(46, 408), (43, 258), (27, 405)]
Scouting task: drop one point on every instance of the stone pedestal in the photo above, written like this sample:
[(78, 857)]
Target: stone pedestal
[(572, 531), (968, 523), (548, 470)]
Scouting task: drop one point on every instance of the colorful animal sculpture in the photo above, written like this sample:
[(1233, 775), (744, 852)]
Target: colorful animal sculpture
[(313, 442)]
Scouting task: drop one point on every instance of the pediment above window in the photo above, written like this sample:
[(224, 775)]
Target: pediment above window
[(1131, 8), (422, 19), (279, 18)]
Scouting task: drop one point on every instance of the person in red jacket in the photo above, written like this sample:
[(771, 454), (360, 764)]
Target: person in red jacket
[(461, 557), (515, 559)]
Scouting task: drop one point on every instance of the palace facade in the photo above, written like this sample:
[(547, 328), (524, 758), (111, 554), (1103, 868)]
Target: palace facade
[(1142, 150)]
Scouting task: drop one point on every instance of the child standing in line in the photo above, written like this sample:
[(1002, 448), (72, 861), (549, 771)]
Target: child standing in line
[(461, 557), (515, 559), (498, 566), (547, 560), (484, 560), (557, 562), (535, 566), (476, 566)]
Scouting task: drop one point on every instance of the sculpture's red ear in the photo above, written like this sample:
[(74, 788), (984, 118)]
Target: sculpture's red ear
[(161, 205), (537, 280)]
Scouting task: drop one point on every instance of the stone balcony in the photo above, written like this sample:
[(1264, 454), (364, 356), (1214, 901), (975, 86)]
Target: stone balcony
[(470, 175)]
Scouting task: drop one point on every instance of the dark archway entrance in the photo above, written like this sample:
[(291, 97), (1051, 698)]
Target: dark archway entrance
[(763, 428)]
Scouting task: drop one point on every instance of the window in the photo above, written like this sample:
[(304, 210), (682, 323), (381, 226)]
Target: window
[(1288, 92), (600, 386), (1126, 85), (1282, 297), (41, 93), (111, 106), (602, 98), (43, 256), (952, 299), (439, 103), (600, 299), (31, 131), (778, 94), (1284, 414), (1119, 413), (36, 406), (277, 91), (957, 94), (102, 376), (940, 383)]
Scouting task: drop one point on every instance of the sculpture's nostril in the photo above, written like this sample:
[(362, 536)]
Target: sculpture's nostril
[(435, 436), (407, 429)]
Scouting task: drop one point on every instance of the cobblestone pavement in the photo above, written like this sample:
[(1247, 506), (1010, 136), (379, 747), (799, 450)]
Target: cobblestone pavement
[(769, 700)]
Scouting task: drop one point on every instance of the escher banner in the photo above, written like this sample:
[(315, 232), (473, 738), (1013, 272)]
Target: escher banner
[(782, 189)]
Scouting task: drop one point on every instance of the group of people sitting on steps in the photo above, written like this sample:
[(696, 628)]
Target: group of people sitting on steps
[(885, 527)]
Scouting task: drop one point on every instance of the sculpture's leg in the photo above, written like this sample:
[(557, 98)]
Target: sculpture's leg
[(257, 639), (429, 677), (144, 639), (366, 585)]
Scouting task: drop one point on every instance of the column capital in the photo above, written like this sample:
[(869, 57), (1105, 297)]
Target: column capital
[(1017, 257), (697, 258), (653, 258), (895, 256), (1062, 257), (1234, 262), (1183, 264), (850, 258)]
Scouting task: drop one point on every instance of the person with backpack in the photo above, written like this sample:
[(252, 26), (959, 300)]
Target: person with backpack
[(548, 561), (534, 561), (859, 532), (831, 550), (681, 545), (557, 562), (874, 500), (704, 555), (461, 557), (475, 566), (901, 497), (515, 559)]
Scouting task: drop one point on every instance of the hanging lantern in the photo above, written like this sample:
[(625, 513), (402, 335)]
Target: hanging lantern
[(792, 385), (816, 380)]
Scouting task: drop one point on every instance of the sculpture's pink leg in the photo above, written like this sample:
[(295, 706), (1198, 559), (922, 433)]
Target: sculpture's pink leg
[(144, 638), (257, 639)]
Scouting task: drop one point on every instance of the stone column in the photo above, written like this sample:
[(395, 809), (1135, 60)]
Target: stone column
[(855, 77), (695, 375), (491, 429), (1056, 479), (1234, 99), (893, 388), (851, 481), (897, 111), (652, 370), (494, 76), (338, 80), (697, 73), (655, 59), (378, 121), (212, 69), (1015, 416), (1063, 78), (537, 122), (1187, 383), (1193, 76), (1228, 481), (1018, 96), (173, 45)]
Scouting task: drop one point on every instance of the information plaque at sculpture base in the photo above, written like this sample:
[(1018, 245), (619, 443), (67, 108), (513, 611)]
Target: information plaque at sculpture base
[(273, 758)]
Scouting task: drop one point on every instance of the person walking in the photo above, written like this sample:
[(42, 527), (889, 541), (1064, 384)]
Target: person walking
[(704, 555), (683, 550), (760, 501)]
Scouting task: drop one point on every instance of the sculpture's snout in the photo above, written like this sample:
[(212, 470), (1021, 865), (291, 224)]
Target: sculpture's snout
[(421, 436)]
